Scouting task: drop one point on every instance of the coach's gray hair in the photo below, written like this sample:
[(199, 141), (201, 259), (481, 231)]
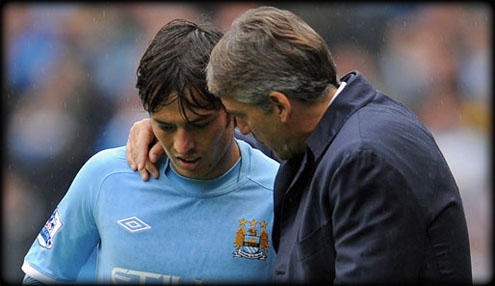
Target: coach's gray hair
[(268, 49)]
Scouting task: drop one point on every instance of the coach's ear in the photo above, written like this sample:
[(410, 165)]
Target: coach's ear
[(281, 105)]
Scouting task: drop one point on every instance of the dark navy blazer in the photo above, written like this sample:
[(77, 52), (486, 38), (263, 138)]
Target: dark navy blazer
[(372, 200)]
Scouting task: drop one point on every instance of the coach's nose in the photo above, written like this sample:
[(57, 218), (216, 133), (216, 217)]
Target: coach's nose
[(242, 125)]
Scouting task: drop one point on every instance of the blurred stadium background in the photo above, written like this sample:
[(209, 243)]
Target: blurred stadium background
[(69, 91)]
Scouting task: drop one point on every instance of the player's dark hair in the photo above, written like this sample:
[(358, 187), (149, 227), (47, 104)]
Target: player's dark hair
[(174, 68)]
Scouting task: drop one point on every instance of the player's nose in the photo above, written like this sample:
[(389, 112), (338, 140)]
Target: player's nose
[(184, 141)]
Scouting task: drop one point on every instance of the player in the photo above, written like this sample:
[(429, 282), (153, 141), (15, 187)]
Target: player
[(207, 219)]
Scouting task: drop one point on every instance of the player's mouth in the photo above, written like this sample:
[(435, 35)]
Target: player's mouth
[(188, 163)]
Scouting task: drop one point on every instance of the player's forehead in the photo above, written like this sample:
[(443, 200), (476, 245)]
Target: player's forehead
[(193, 103), (177, 114)]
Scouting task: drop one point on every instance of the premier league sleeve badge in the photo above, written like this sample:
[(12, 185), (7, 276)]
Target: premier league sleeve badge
[(51, 227)]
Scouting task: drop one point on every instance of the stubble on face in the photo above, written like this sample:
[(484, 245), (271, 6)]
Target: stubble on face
[(210, 146)]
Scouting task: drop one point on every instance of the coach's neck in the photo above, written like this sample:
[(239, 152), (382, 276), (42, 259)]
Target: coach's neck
[(300, 118)]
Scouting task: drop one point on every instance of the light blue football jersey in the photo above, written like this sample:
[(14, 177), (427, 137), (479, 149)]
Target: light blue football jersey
[(161, 231)]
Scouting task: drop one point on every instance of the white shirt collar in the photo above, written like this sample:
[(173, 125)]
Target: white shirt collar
[(341, 87)]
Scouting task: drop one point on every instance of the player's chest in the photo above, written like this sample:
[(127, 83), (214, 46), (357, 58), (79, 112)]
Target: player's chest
[(184, 239)]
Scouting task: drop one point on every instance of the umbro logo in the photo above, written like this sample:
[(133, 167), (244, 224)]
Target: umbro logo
[(133, 224)]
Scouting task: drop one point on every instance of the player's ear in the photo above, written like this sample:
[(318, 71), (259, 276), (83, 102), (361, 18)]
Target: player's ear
[(281, 105)]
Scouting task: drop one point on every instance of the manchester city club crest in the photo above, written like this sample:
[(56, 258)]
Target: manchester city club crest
[(250, 244)]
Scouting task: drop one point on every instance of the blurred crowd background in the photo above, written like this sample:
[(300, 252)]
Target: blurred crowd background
[(69, 91)]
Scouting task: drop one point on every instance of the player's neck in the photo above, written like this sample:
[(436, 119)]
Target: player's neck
[(227, 161)]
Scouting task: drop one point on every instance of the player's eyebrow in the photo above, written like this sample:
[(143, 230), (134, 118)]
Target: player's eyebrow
[(196, 120), (201, 118), (161, 122)]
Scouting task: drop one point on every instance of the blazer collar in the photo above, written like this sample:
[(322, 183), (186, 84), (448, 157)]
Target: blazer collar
[(357, 93)]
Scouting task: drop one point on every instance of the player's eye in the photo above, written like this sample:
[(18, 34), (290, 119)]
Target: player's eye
[(200, 124), (167, 127)]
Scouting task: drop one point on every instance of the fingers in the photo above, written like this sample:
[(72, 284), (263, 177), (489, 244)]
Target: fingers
[(152, 169), (156, 152), (143, 138), (132, 146), (137, 154), (149, 168), (128, 155), (144, 173)]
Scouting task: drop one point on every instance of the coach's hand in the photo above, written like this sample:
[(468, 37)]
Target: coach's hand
[(139, 156)]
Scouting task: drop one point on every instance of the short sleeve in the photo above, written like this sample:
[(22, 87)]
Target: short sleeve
[(70, 235)]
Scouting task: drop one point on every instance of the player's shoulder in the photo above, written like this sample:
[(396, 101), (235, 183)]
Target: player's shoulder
[(110, 154), (258, 159), (260, 168), (109, 160)]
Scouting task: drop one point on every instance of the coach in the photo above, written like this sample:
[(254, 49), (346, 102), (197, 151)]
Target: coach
[(363, 195)]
